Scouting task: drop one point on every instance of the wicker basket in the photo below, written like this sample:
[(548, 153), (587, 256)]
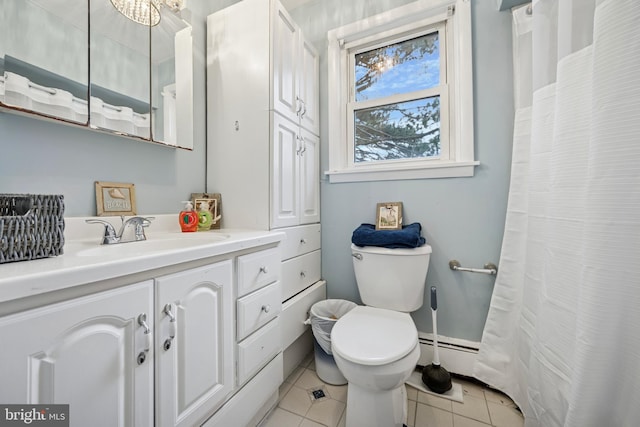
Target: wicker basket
[(31, 226)]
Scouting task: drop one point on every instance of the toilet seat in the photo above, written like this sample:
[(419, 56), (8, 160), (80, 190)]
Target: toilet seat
[(373, 336)]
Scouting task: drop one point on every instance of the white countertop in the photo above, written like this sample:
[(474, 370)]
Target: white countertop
[(86, 261)]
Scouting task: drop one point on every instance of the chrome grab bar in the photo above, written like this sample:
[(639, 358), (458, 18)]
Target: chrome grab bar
[(489, 268)]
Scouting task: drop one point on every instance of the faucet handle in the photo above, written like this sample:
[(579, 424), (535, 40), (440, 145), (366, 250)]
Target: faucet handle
[(138, 223), (146, 221), (110, 235)]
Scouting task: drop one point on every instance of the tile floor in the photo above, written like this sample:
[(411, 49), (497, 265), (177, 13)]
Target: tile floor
[(482, 406)]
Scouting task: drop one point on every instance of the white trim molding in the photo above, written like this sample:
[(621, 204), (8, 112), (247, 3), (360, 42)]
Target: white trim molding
[(456, 355)]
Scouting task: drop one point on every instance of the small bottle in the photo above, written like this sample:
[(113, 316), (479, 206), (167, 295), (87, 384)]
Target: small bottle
[(204, 217), (188, 218)]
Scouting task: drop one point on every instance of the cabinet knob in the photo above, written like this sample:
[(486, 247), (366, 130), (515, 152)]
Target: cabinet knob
[(303, 241), (303, 274), (264, 269), (266, 308)]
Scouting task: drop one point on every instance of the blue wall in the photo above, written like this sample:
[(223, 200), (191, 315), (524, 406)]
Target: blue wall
[(462, 218)]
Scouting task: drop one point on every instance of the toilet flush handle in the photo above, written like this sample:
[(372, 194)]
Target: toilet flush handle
[(357, 256)]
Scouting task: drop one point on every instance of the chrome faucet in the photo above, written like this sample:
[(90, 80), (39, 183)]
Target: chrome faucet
[(131, 230)]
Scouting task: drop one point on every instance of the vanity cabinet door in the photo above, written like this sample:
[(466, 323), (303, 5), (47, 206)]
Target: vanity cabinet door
[(194, 354), (90, 352)]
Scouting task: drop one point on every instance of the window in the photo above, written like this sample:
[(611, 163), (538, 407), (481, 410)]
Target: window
[(400, 94)]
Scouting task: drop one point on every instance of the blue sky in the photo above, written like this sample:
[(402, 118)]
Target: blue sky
[(420, 73)]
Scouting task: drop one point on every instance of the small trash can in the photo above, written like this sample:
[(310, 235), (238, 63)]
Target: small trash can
[(323, 315)]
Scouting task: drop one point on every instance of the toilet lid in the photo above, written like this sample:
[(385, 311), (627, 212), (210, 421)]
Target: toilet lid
[(373, 336)]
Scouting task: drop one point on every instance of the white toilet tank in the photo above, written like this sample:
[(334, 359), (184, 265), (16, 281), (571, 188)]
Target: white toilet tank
[(391, 278)]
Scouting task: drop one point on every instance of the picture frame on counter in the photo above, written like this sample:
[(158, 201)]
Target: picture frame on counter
[(215, 206), (115, 198)]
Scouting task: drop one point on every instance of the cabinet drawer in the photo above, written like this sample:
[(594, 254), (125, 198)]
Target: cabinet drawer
[(256, 309), (300, 240), (296, 311), (299, 273), (255, 351), (257, 270)]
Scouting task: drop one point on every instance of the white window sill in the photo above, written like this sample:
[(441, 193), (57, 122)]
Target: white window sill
[(439, 170)]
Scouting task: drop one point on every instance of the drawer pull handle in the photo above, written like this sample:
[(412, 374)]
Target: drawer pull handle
[(142, 321), (264, 269), (168, 310), (266, 308)]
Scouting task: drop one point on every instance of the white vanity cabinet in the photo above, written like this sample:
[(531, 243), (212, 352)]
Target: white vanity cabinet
[(92, 352), (194, 343), (169, 339)]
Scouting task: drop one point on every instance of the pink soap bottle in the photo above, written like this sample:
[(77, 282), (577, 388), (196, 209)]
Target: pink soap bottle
[(188, 218)]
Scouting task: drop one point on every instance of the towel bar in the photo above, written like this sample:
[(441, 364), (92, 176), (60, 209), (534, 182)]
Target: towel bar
[(489, 268)]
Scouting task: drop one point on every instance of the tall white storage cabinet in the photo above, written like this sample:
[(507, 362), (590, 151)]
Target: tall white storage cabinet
[(263, 140)]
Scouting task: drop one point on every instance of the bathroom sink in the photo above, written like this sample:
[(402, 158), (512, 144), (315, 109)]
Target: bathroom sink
[(159, 243)]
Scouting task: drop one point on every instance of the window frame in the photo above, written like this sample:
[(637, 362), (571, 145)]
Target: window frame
[(452, 18), (411, 31)]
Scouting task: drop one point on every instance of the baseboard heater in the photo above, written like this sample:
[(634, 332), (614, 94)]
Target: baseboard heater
[(456, 355)]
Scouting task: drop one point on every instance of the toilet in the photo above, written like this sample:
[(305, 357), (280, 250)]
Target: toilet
[(376, 345)]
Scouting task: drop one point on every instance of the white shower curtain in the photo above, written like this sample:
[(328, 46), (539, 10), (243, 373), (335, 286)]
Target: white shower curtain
[(562, 337)]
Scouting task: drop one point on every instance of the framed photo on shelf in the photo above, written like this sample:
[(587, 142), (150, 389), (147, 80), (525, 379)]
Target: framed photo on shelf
[(115, 198), (389, 216), (214, 200)]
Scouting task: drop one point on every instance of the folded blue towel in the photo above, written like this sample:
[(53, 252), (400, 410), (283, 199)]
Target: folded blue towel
[(408, 237)]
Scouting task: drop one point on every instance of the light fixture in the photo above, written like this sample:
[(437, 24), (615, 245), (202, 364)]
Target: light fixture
[(145, 12)]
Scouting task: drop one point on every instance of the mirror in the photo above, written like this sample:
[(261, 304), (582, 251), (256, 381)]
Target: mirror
[(171, 80), (120, 72), (121, 76), (45, 72)]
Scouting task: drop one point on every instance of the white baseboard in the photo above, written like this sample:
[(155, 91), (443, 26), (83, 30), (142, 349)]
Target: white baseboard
[(456, 356)]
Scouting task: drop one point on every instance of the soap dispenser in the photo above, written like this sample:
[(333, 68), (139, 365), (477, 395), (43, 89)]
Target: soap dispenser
[(188, 218), (204, 217)]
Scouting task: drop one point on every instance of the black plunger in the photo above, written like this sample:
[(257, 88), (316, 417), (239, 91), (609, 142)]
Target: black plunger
[(435, 376)]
